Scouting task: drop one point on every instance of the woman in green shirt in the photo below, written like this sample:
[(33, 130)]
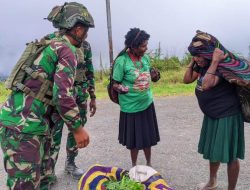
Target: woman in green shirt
[(138, 128)]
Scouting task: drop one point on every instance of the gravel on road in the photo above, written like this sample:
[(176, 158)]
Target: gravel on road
[(175, 156)]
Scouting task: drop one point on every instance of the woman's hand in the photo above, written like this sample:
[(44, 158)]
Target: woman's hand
[(210, 79), (155, 74), (190, 76), (121, 89), (191, 64), (218, 56)]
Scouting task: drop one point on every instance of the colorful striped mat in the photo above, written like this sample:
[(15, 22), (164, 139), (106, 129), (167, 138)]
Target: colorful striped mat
[(97, 175)]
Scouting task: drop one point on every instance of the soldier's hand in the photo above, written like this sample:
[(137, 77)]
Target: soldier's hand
[(81, 137), (92, 107)]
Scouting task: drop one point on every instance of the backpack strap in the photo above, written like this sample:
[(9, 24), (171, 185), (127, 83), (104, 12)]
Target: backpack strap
[(80, 71), (45, 92), (41, 95), (112, 65)]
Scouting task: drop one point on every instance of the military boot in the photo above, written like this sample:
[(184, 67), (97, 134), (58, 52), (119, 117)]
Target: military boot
[(72, 169)]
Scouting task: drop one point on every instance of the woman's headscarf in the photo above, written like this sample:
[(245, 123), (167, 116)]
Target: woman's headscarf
[(234, 69)]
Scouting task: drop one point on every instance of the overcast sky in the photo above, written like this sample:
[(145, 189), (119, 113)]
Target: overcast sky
[(171, 22)]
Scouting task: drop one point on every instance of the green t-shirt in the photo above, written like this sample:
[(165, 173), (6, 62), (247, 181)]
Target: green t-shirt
[(136, 76)]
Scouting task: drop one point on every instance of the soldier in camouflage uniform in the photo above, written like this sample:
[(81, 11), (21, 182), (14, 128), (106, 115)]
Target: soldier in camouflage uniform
[(25, 117), (84, 87)]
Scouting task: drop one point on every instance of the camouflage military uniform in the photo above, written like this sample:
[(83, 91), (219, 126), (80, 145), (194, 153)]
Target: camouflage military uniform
[(82, 90), (25, 121)]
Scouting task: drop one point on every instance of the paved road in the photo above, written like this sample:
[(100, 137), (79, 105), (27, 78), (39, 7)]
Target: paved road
[(175, 157)]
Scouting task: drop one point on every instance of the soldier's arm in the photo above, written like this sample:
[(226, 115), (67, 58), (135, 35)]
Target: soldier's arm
[(89, 69), (90, 77), (63, 87)]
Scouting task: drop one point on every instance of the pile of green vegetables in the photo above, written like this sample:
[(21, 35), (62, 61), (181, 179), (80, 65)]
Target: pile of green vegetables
[(124, 184)]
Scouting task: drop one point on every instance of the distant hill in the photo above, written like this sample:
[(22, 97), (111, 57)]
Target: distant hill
[(3, 78)]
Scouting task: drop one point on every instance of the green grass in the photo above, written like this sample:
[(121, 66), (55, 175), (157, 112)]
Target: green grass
[(3, 93), (170, 84), (177, 89)]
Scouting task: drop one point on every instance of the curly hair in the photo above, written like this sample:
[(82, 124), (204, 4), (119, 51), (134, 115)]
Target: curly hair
[(135, 37)]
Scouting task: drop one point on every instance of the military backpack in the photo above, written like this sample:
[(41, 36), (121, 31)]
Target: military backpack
[(23, 68)]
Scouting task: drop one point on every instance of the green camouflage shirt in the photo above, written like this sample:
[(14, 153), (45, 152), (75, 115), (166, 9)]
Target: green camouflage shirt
[(23, 113), (89, 66), (87, 76)]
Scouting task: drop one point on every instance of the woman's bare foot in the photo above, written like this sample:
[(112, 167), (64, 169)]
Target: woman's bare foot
[(207, 186)]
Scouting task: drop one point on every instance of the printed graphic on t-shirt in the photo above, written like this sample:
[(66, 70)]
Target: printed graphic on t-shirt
[(199, 83), (142, 81)]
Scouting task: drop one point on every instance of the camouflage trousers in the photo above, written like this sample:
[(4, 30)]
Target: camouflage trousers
[(26, 160), (56, 132)]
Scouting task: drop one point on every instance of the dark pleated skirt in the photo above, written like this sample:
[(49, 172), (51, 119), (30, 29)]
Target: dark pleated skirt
[(222, 140), (139, 130)]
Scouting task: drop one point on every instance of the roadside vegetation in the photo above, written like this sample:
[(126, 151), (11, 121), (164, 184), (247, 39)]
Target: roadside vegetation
[(172, 70), (3, 93)]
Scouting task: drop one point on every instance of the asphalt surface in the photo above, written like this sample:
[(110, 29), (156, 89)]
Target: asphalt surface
[(175, 156)]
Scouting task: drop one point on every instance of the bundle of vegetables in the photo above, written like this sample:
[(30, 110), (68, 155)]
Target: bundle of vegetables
[(113, 178), (124, 184)]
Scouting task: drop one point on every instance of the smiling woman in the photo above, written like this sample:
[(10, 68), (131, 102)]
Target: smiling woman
[(222, 133)]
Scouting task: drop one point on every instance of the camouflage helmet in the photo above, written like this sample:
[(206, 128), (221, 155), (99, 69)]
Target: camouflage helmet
[(67, 15)]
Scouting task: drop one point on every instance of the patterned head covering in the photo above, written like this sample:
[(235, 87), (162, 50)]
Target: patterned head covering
[(203, 44), (234, 69)]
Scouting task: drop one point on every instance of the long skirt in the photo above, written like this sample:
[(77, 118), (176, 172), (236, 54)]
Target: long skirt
[(222, 140), (139, 130)]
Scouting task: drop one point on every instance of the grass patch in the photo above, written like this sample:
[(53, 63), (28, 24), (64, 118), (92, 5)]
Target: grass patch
[(171, 84), (3, 93), (177, 89)]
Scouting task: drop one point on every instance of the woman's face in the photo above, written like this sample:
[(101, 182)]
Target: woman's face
[(141, 49), (201, 61)]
